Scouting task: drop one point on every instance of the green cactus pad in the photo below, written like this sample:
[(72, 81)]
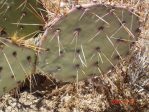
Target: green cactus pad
[(21, 17), (16, 63), (89, 41)]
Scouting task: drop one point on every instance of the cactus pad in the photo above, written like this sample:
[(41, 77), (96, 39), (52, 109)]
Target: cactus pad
[(16, 63), (21, 18), (88, 41)]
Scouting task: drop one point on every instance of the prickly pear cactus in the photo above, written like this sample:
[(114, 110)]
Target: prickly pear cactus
[(21, 18), (88, 41), (16, 64)]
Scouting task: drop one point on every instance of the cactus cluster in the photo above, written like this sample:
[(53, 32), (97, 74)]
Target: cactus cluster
[(88, 41)]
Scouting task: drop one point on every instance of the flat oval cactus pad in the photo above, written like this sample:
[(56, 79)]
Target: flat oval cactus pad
[(88, 41), (16, 64)]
